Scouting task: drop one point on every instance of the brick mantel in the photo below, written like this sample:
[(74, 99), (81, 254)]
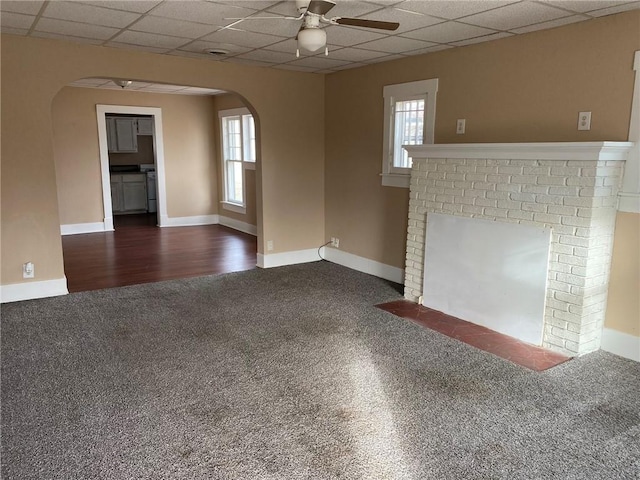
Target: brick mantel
[(571, 188)]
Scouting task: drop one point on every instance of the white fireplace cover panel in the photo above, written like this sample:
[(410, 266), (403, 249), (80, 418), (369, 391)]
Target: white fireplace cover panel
[(490, 273)]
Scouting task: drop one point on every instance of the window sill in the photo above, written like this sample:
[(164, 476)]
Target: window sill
[(401, 180), (234, 207)]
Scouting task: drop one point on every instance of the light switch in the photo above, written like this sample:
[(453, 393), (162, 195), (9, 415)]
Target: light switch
[(584, 121)]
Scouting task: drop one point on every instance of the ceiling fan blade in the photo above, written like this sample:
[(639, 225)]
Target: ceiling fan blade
[(360, 22), (320, 7)]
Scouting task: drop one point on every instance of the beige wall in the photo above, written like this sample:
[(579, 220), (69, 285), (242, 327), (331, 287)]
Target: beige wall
[(288, 107), (190, 165), (623, 307), (227, 102), (527, 88)]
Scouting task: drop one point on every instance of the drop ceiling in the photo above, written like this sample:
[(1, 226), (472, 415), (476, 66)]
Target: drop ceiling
[(191, 28)]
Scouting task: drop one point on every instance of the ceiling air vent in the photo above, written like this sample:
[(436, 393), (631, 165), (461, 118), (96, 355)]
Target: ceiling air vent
[(216, 52)]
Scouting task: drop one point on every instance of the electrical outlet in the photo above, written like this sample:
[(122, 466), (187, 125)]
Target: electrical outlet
[(269, 245), (584, 121), (28, 270), (336, 242), (460, 126)]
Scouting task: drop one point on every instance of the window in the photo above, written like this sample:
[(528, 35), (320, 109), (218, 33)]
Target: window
[(409, 118), (238, 153)]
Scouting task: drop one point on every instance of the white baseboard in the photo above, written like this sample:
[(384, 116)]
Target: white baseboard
[(619, 343), (189, 221), (16, 292), (364, 265), (288, 258), (78, 228), (629, 202), (238, 225)]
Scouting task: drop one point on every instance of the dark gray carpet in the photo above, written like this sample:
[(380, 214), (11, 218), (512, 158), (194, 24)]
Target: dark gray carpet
[(292, 373)]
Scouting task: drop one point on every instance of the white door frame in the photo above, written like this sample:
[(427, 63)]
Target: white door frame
[(158, 153)]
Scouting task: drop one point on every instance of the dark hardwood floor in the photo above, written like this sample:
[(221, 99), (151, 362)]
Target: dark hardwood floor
[(140, 252)]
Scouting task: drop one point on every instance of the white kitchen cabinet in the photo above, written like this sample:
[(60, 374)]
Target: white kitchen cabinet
[(129, 193), (122, 134), (145, 126), (116, 193)]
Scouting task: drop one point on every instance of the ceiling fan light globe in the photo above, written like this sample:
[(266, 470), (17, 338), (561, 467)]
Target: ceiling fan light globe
[(312, 39)]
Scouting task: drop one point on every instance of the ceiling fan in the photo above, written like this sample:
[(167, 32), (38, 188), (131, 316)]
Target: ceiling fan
[(311, 35)]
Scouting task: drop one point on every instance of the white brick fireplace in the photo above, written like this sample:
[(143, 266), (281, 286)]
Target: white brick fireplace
[(570, 188)]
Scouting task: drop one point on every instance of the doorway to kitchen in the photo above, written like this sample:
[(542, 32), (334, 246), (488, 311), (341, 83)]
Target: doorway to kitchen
[(129, 185)]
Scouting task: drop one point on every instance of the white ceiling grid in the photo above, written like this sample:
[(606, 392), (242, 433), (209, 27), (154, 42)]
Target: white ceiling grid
[(190, 28)]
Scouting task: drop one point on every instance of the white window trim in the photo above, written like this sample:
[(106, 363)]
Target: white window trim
[(394, 176), (233, 207), (630, 192), (246, 165)]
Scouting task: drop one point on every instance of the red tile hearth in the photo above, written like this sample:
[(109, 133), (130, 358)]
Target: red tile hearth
[(509, 348)]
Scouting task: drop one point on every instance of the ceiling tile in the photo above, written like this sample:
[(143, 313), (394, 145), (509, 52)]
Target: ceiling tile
[(551, 24), (448, 32), (256, 4), (484, 38), (15, 31), (242, 38), (244, 61), (138, 85), (138, 6), (75, 29), (583, 5), (16, 20), (617, 9), (407, 20), (282, 27), (20, 6), (287, 46), (395, 45), (176, 28), (89, 82), (77, 12), (388, 58), (267, 56), (296, 68), (355, 54), (516, 15), (451, 9), (435, 48), (202, 12), (201, 56), (347, 36), (143, 48), (200, 91), (163, 87), (318, 62), (68, 38), (348, 66), (150, 40)]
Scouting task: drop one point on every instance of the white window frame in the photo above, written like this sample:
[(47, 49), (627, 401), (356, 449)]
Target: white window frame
[(246, 164), (424, 89)]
